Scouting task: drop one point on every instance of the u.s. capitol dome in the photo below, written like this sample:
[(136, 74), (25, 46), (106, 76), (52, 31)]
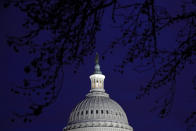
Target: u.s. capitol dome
[(98, 112)]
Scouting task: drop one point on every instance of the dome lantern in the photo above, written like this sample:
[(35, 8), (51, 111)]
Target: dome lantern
[(97, 79)]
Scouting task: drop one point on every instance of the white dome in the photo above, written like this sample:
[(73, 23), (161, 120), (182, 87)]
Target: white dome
[(98, 112)]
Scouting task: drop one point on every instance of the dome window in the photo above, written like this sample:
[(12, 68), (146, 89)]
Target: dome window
[(112, 112)]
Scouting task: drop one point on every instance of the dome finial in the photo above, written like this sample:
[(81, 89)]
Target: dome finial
[(97, 58), (97, 67)]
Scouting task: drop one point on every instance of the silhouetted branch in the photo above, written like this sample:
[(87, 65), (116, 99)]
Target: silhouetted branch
[(71, 26), (68, 29), (141, 23)]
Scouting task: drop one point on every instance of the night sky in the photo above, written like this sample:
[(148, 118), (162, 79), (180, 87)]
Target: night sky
[(123, 88)]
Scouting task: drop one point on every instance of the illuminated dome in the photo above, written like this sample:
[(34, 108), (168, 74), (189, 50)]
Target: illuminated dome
[(98, 112)]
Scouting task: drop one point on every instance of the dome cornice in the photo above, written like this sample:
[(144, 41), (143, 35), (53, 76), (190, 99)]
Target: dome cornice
[(98, 124)]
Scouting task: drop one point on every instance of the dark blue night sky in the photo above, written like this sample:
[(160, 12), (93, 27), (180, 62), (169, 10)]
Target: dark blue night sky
[(123, 88)]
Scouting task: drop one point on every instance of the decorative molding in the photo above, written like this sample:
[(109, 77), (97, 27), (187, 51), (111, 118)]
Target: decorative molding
[(98, 124)]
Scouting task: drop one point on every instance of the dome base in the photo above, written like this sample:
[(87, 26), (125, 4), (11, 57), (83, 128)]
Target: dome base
[(99, 129), (98, 126)]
